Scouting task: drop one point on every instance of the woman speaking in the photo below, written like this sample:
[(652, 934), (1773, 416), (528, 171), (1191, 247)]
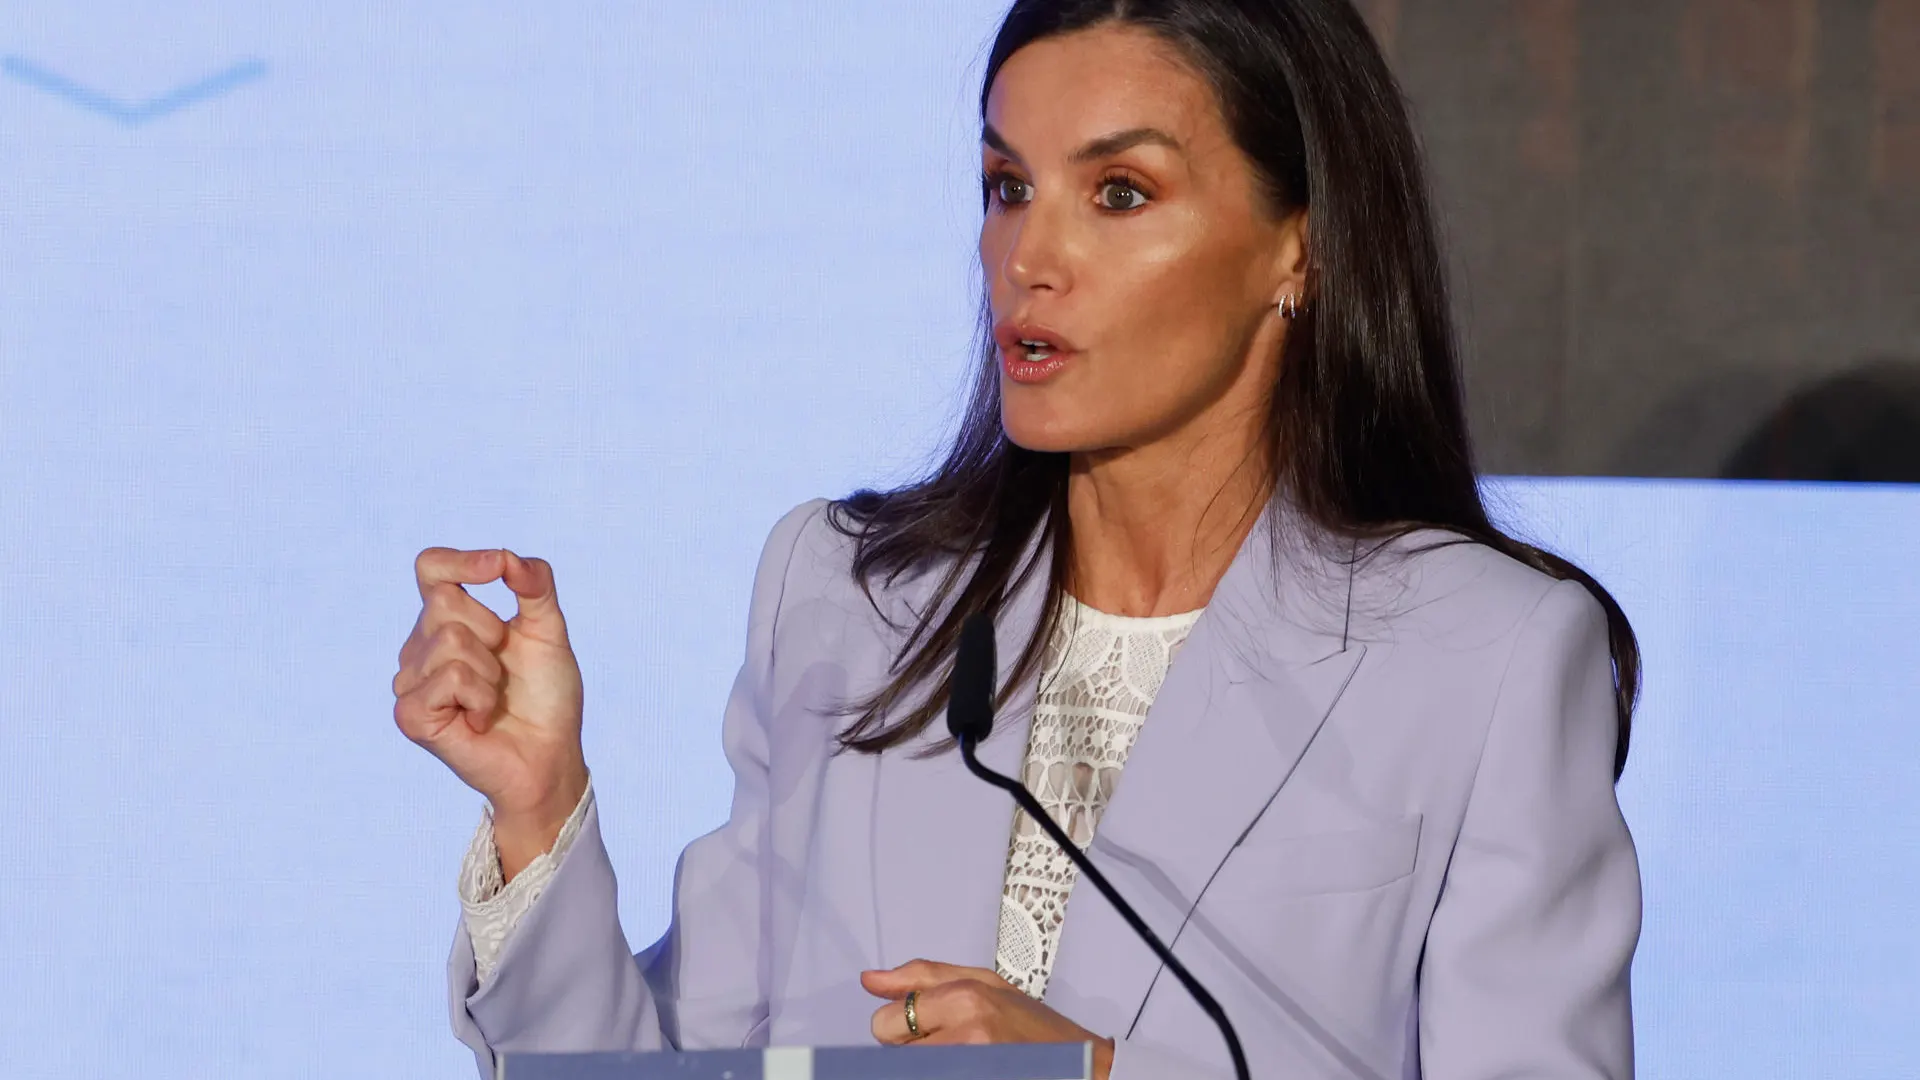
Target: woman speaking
[(1347, 746)]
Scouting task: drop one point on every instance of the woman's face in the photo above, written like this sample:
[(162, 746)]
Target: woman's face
[(1127, 239)]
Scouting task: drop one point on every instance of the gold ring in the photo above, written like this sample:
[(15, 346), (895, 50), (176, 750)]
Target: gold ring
[(913, 1014)]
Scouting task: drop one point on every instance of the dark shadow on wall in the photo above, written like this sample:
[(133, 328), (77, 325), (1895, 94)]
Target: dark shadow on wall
[(1860, 426), (1691, 432)]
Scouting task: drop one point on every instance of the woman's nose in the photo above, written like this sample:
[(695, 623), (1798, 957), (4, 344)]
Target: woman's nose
[(1039, 255)]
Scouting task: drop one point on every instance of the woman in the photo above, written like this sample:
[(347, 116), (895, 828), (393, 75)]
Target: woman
[(1215, 464)]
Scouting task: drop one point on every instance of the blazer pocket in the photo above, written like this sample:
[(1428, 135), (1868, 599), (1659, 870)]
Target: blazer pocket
[(1350, 860), (757, 1036)]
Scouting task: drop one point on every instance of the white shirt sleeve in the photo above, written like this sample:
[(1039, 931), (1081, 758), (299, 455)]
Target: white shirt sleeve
[(493, 907)]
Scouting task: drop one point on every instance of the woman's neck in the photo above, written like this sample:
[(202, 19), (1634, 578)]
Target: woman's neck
[(1155, 528)]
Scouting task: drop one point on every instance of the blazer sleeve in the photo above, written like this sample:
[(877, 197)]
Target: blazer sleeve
[(1528, 952), (567, 980)]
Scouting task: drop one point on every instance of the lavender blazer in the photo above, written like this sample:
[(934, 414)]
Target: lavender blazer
[(1373, 811)]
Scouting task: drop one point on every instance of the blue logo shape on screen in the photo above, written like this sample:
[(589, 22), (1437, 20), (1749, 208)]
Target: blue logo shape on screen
[(133, 114)]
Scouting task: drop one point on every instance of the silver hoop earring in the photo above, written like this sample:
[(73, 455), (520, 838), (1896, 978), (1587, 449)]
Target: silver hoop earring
[(1289, 307)]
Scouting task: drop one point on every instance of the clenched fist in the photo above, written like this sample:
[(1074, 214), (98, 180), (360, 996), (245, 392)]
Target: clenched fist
[(498, 701)]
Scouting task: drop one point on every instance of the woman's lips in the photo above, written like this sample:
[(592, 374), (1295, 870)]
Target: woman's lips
[(1031, 351), (1017, 365)]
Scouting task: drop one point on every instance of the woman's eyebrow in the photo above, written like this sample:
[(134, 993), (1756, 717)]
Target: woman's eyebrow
[(992, 137), (1120, 141), (1104, 146)]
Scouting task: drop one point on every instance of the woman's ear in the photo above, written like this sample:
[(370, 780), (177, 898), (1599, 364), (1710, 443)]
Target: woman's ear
[(1290, 260)]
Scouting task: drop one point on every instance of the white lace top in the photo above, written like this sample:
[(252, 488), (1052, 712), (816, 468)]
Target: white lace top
[(1100, 674)]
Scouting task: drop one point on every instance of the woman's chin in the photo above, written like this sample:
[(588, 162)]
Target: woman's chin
[(1046, 436)]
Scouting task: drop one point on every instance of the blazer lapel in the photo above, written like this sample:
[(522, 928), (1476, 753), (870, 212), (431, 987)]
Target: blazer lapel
[(1244, 697), (940, 834)]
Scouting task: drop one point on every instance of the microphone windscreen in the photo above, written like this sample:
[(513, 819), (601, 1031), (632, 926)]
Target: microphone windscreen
[(970, 698)]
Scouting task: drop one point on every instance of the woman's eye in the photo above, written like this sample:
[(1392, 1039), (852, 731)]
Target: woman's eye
[(1121, 195), (1010, 190)]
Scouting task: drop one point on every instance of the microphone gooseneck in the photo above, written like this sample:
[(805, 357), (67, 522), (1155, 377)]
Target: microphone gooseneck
[(970, 719)]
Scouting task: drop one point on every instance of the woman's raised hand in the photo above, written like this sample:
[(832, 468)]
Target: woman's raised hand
[(498, 701)]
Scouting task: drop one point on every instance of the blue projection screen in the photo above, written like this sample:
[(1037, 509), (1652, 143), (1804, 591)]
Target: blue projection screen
[(289, 292)]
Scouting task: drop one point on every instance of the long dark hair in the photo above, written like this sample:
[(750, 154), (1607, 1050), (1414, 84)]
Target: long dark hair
[(1367, 430)]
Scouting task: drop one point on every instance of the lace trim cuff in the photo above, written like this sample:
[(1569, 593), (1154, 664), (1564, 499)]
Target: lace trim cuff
[(493, 907)]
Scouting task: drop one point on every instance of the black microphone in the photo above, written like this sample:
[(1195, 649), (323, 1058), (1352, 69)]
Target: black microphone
[(970, 718)]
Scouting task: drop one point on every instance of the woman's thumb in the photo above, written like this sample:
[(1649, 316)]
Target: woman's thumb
[(532, 583)]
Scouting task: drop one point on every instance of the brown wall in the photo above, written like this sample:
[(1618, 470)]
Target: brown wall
[(1669, 217)]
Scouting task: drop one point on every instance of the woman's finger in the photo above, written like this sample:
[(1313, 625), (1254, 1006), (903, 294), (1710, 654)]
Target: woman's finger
[(539, 613), (957, 1011), (890, 1021), (453, 641), (454, 693), (921, 974), (449, 603), (437, 566)]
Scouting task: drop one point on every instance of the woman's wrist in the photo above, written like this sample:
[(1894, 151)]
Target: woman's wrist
[(522, 835)]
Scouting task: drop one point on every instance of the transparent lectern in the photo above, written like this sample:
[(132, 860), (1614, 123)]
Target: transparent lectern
[(1038, 1061)]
